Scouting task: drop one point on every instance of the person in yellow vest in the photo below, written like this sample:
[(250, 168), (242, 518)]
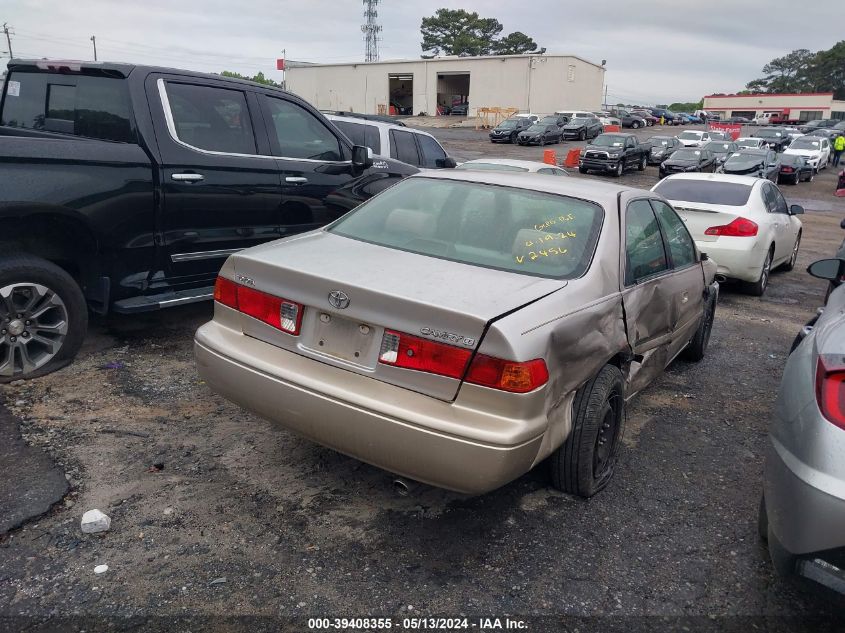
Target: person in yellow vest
[(838, 148)]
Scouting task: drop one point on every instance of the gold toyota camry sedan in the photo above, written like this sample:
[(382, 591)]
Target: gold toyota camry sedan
[(461, 328)]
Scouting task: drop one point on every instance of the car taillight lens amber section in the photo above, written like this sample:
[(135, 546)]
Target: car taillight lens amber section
[(830, 389), (281, 313), (740, 227), (507, 375), (411, 352)]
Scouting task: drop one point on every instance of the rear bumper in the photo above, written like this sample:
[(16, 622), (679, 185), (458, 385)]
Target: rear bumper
[(387, 426), (805, 519), (734, 259)]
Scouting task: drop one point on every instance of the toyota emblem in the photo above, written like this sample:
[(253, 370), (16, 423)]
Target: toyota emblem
[(339, 299)]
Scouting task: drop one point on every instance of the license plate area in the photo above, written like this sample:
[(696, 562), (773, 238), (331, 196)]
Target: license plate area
[(346, 339)]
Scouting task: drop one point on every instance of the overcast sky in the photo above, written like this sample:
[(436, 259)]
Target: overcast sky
[(657, 51)]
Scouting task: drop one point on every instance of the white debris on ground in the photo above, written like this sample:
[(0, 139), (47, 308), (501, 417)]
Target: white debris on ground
[(95, 521), (101, 569)]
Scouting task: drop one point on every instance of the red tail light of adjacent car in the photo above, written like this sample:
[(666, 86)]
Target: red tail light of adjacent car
[(830, 388), (411, 352), (280, 313), (740, 227)]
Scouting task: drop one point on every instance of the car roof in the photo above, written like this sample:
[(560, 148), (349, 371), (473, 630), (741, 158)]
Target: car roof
[(527, 164), (379, 124), (587, 189), (574, 111), (740, 180)]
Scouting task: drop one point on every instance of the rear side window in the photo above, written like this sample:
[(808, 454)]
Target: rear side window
[(361, 134), (704, 192), (300, 134), (214, 119), (644, 252), (403, 147), (678, 240), (85, 106), (432, 154)]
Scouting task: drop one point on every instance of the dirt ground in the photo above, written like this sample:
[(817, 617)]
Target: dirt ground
[(244, 519)]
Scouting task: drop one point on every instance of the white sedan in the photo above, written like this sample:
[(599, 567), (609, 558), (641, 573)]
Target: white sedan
[(815, 149), (744, 224), (508, 164)]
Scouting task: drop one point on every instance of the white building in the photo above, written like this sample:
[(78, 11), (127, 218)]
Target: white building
[(533, 83), (804, 106)]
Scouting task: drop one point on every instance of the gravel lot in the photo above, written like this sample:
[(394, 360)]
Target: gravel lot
[(295, 530)]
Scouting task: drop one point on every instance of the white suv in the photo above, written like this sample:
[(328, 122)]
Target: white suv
[(414, 147)]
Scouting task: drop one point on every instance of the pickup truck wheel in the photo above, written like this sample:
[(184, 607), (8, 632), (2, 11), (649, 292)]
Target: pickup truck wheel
[(620, 169), (582, 170), (697, 347), (43, 317), (585, 462), (643, 162)]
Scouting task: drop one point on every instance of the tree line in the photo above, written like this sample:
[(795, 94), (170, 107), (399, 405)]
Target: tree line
[(804, 71)]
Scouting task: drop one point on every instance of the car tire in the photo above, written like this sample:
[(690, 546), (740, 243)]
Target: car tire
[(635, 124), (796, 180), (52, 336), (783, 561), (812, 176), (582, 135), (513, 138), (790, 264), (643, 162), (582, 170), (584, 464), (758, 288), (620, 169), (697, 346)]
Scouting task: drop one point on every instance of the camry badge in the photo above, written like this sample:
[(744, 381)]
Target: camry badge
[(339, 299)]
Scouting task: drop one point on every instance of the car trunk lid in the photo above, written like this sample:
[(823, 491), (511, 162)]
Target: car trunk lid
[(386, 289), (699, 217)]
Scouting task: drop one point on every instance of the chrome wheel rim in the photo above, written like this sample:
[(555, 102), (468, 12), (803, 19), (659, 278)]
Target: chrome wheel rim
[(764, 276), (33, 327), (794, 257)]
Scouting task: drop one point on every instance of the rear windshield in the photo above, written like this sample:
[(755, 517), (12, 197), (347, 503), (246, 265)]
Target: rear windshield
[(690, 135), (704, 191), (490, 226)]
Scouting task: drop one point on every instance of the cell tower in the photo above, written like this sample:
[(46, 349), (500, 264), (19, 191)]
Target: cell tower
[(371, 31)]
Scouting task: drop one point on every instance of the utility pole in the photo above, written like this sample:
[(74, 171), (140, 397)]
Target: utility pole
[(8, 39), (94, 40)]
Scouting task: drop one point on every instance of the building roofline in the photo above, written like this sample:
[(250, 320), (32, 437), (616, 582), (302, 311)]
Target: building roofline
[(772, 94), (448, 58)]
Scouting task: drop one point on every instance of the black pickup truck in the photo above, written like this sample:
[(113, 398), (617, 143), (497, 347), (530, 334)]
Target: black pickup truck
[(613, 153), (123, 188)]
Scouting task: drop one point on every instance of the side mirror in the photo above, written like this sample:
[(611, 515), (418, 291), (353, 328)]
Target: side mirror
[(447, 163), (796, 209), (830, 269), (362, 157), (703, 257)]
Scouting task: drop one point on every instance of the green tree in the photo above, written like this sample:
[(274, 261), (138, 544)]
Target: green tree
[(459, 32), (828, 71), (689, 106), (259, 78), (804, 71), (517, 43)]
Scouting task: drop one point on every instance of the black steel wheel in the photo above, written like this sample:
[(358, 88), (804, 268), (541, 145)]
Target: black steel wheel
[(585, 462)]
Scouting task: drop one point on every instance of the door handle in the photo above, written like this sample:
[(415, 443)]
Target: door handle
[(684, 297), (187, 177), (296, 180)]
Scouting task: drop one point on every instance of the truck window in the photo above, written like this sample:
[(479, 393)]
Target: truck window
[(300, 134), (214, 119), (82, 105), (361, 134), (403, 147), (431, 152)]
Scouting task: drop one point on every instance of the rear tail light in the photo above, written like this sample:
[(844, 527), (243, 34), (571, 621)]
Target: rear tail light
[(740, 227), (786, 170), (411, 352), (830, 388), (280, 313)]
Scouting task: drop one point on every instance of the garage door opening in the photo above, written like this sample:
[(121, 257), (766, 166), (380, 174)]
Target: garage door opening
[(453, 93), (401, 91)]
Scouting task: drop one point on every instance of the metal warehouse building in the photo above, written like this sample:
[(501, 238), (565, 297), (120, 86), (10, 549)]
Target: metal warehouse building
[(802, 106), (535, 83)]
